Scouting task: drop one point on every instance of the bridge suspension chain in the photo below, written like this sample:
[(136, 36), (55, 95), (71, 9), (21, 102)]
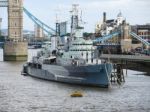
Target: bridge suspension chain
[(45, 27), (139, 38)]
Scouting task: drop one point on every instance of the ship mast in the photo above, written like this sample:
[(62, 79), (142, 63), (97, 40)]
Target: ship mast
[(74, 20)]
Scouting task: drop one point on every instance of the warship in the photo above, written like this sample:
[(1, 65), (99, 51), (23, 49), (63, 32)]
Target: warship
[(76, 62)]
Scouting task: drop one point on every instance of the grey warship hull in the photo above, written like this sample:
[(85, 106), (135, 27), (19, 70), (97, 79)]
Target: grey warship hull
[(94, 75)]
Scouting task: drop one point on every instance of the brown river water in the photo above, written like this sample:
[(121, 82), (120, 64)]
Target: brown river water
[(26, 94)]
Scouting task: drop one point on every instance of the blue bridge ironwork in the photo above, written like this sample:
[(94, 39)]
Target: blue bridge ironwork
[(115, 34), (102, 39), (45, 27), (139, 38)]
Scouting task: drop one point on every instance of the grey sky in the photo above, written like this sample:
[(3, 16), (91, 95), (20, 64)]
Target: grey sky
[(135, 11)]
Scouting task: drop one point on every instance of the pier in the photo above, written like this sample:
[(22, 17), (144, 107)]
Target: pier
[(133, 58), (133, 62)]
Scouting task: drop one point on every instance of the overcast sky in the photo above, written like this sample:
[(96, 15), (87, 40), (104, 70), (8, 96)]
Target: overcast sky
[(135, 11)]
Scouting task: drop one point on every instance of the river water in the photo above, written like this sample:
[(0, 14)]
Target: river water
[(26, 94)]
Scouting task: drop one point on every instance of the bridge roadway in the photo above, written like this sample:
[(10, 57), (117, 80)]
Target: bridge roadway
[(136, 58)]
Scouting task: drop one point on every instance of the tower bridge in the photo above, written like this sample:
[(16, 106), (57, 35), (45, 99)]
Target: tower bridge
[(124, 34), (15, 47)]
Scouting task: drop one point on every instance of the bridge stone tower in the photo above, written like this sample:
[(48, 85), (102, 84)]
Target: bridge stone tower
[(15, 19), (39, 33), (15, 48), (126, 42)]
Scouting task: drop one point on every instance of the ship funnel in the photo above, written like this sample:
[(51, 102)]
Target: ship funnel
[(104, 17)]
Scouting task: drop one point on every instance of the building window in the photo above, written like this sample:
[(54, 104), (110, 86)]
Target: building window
[(141, 33), (16, 1), (87, 54), (92, 60)]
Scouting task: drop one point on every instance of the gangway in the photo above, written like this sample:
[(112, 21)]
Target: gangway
[(45, 27), (139, 38)]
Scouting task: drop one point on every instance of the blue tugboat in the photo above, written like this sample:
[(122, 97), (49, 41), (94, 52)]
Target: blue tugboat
[(77, 63)]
